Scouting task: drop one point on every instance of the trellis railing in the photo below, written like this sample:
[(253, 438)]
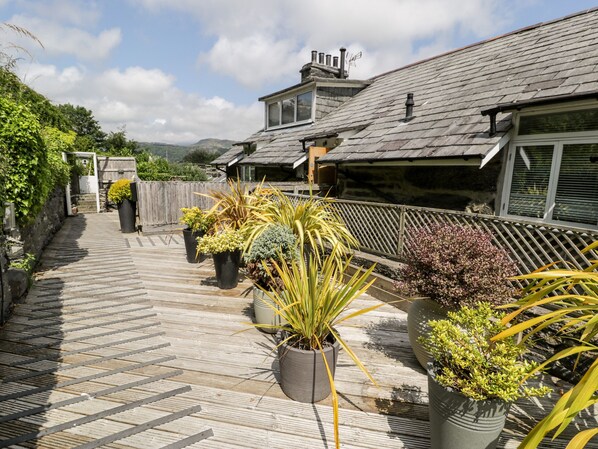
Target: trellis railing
[(386, 229)]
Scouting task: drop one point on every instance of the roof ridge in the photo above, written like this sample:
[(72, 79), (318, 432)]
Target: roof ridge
[(485, 41)]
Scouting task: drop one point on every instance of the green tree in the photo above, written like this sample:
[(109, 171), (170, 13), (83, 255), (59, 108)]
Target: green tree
[(200, 156), (117, 144), (90, 136)]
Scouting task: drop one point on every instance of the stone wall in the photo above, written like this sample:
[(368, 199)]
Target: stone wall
[(37, 235), (330, 98), (444, 187), (5, 295)]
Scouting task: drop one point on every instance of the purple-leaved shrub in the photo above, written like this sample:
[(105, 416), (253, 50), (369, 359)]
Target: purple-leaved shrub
[(456, 265)]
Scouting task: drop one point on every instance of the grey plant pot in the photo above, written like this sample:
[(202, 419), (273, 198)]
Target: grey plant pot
[(420, 312), (264, 313), (303, 375), (458, 422)]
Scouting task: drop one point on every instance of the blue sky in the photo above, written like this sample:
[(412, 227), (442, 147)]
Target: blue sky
[(177, 71)]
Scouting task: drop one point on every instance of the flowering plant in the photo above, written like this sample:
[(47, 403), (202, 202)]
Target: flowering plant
[(220, 242), (120, 191), (196, 219), (466, 360), (456, 265)]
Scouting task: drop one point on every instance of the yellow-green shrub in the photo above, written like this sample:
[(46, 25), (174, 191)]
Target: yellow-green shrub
[(120, 191)]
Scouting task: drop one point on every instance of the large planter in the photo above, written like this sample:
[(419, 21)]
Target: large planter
[(303, 375), (420, 312), (190, 237), (227, 268), (126, 216), (458, 422), (264, 314)]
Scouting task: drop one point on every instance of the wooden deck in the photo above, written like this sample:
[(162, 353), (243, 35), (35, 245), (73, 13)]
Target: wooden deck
[(123, 344)]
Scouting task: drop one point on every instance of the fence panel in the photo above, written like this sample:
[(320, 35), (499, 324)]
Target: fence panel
[(387, 229), (160, 202)]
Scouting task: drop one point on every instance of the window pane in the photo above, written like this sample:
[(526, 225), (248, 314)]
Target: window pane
[(559, 122), (274, 114), (529, 185), (577, 189), (288, 111), (304, 106)]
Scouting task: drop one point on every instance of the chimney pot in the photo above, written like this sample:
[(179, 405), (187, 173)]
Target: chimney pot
[(343, 50), (321, 58), (409, 107), (335, 61), (328, 60), (314, 55)]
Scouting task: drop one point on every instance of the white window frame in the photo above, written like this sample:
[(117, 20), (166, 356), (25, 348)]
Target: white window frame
[(557, 140), (289, 96)]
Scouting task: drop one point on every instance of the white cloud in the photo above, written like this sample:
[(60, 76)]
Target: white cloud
[(146, 101), (58, 39), (64, 11), (259, 44)]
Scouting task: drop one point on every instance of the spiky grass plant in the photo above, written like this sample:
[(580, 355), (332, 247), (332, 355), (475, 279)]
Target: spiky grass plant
[(313, 220), (235, 207), (573, 294), (314, 301)]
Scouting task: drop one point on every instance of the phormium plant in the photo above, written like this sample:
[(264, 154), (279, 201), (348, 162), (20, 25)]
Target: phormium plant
[(456, 265)]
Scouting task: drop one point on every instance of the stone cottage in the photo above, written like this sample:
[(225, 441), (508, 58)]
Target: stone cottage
[(506, 126)]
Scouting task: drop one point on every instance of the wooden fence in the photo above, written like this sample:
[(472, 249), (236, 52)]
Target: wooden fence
[(160, 202), (385, 229), (113, 168)]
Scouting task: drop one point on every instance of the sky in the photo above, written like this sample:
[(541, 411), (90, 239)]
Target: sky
[(177, 71)]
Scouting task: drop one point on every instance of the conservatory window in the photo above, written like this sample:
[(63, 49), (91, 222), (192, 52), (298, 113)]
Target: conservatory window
[(556, 182)]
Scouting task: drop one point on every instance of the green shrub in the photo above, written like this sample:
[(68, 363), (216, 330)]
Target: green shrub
[(467, 361), (276, 243), (456, 265), (196, 219), (56, 143), (26, 183), (225, 240), (120, 191)]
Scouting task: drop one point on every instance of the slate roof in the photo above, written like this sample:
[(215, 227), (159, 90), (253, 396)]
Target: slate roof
[(550, 59), (228, 156)]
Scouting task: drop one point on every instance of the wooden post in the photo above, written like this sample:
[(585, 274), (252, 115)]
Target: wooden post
[(401, 243)]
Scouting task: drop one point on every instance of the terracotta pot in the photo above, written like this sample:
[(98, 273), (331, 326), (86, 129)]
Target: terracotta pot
[(126, 216), (190, 237), (227, 268), (458, 422), (303, 375), (420, 312), (264, 313)]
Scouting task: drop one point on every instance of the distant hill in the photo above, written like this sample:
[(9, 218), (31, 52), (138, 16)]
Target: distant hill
[(175, 153)]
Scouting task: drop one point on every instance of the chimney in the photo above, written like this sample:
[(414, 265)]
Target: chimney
[(409, 107), (328, 60), (321, 58), (343, 50), (314, 55), (335, 61)]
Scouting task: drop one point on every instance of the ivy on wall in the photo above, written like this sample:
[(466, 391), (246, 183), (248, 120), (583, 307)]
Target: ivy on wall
[(32, 157)]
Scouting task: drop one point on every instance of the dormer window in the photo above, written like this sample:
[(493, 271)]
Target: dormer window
[(296, 109)]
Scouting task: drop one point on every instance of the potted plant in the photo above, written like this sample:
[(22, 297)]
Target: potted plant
[(120, 193), (275, 244), (313, 220), (313, 301), (197, 224), (225, 246), (572, 295), (448, 266), (473, 380)]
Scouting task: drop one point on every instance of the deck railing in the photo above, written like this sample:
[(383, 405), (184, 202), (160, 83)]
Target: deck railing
[(386, 229)]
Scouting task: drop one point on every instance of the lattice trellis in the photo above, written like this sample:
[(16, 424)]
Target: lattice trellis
[(385, 229)]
